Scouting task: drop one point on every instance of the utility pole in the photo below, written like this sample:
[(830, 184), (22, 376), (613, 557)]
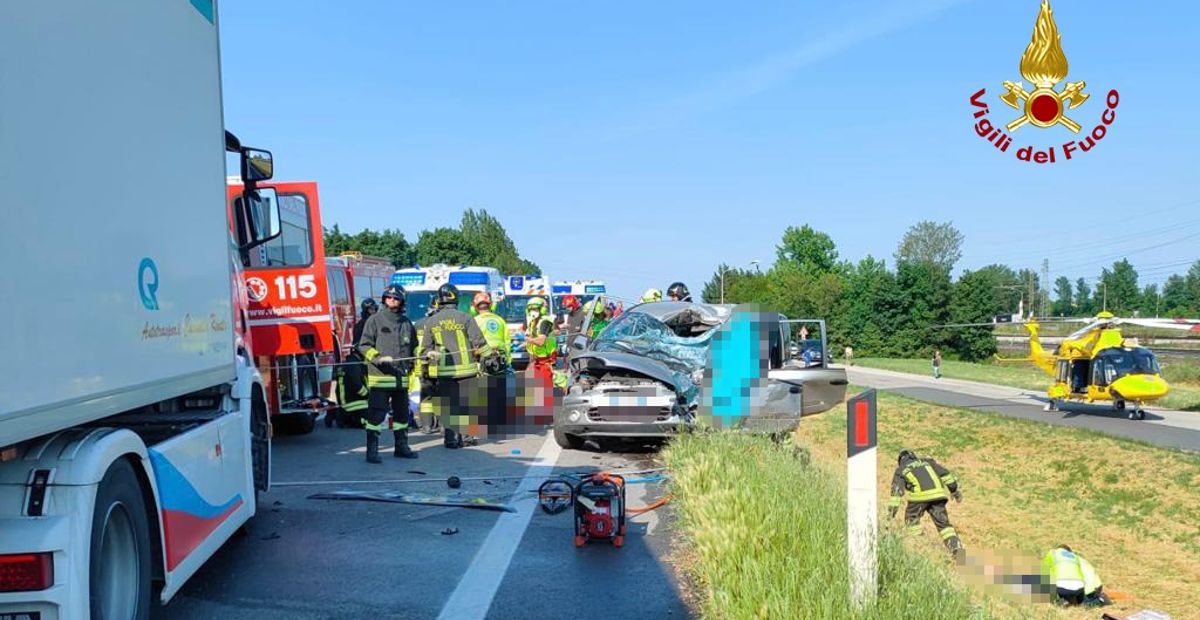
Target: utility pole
[(1045, 297)]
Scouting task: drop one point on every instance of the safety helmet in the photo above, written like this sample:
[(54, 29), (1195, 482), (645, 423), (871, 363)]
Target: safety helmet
[(481, 297), (597, 307), (570, 302), (369, 304), (679, 292), (651, 295), (447, 294), (906, 455), (536, 302), (395, 291)]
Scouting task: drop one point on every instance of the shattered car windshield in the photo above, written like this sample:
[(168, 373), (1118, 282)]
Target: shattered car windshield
[(644, 335)]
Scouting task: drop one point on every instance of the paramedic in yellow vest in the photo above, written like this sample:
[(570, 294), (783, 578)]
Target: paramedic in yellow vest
[(387, 344), (451, 345), (540, 340), (928, 486), (1074, 580), (497, 365)]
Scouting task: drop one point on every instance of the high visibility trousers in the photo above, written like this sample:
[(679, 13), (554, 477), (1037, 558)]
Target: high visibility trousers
[(941, 520), (385, 402)]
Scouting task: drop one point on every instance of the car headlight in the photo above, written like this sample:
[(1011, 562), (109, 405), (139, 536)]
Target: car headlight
[(575, 415)]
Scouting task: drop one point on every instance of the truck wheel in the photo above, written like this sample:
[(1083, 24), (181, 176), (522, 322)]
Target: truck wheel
[(120, 558), (564, 440)]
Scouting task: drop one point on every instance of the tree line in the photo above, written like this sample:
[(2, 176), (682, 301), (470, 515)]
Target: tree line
[(892, 311), (480, 239)]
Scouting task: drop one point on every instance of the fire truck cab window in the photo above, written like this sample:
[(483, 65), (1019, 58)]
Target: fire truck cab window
[(362, 290), (293, 247)]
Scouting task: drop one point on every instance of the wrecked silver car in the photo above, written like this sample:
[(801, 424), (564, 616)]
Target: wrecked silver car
[(645, 376)]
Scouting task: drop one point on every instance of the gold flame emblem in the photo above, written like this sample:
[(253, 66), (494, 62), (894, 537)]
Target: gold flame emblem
[(1044, 65)]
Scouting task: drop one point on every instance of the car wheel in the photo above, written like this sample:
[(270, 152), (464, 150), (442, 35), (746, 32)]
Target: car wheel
[(567, 441)]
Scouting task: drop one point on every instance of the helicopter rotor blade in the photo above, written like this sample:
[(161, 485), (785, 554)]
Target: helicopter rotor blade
[(1192, 325)]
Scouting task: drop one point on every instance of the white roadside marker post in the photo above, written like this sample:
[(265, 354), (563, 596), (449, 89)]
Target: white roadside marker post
[(862, 503)]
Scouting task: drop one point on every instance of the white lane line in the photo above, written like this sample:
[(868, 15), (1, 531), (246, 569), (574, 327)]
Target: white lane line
[(472, 597)]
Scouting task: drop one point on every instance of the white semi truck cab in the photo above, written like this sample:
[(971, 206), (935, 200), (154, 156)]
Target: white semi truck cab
[(133, 429)]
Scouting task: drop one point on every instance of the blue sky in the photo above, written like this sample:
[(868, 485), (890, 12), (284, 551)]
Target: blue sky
[(644, 142)]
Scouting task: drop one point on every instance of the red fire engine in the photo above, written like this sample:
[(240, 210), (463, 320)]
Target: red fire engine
[(353, 277), (288, 311)]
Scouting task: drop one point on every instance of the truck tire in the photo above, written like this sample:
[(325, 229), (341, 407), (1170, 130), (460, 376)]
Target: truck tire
[(564, 440), (120, 560)]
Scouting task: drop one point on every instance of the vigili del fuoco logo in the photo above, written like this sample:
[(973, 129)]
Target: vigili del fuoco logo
[(1044, 65)]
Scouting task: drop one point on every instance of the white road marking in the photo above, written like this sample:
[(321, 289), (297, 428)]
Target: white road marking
[(472, 597)]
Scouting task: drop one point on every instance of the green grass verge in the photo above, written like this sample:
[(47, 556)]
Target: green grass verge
[(766, 538), (1185, 393)]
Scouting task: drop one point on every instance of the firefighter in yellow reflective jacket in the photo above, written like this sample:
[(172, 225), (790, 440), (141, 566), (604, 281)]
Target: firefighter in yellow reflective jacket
[(929, 486), (351, 376), (1074, 580), (387, 344), (451, 344)]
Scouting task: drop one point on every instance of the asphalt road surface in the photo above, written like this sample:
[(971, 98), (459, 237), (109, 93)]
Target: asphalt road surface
[(1162, 427), (306, 558)]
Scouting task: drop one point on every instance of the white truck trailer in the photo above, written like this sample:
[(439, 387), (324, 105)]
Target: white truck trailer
[(133, 429)]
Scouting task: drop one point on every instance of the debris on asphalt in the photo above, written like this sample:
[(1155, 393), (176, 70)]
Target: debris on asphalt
[(478, 503), (488, 482), (278, 503), (271, 536), (453, 482), (450, 531), (415, 471), (516, 451)]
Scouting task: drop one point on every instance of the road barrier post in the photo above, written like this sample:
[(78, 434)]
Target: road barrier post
[(862, 503)]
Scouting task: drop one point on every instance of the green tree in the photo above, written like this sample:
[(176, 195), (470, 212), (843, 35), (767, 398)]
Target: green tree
[(1084, 304), (925, 296), (388, 244), (486, 237), (1192, 280), (976, 299), (1175, 300), (870, 312), (1119, 286), (1062, 296), (741, 286), (1151, 301), (444, 245), (811, 250), (938, 244)]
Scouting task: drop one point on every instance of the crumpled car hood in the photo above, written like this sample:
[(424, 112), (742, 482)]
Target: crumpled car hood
[(627, 361)]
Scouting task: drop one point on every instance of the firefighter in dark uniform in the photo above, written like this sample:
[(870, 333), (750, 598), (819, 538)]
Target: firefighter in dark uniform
[(929, 486), (451, 344), (387, 344), (352, 376)]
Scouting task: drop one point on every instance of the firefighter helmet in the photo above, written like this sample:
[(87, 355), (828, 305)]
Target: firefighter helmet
[(651, 295), (395, 291), (570, 302), (369, 304), (906, 455), (447, 294), (678, 291)]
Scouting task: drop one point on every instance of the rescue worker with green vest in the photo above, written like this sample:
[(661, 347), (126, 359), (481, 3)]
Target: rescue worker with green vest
[(497, 365), (651, 295), (351, 376), (596, 308), (495, 332), (451, 344), (387, 344), (1074, 580), (540, 339), (929, 486)]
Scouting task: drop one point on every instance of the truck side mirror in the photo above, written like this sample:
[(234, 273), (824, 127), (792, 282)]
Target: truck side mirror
[(257, 165), (258, 216)]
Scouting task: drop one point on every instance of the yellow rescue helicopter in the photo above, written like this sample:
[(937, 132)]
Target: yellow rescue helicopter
[(1097, 364)]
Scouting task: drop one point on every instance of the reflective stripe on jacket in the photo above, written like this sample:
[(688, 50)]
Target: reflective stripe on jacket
[(547, 348), (495, 332), (458, 339), (390, 334), (923, 480)]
